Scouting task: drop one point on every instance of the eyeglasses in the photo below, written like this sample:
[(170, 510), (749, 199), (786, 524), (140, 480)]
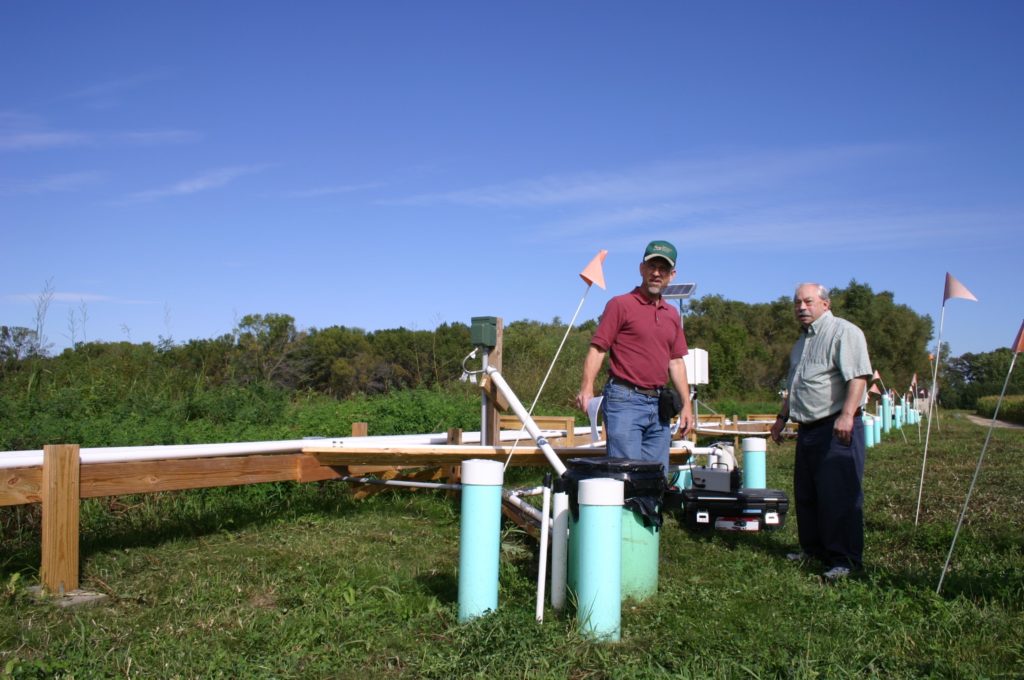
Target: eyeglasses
[(659, 266)]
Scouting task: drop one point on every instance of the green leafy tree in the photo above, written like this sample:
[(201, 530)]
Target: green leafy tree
[(266, 345)]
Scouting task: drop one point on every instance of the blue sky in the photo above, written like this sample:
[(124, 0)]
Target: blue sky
[(171, 167)]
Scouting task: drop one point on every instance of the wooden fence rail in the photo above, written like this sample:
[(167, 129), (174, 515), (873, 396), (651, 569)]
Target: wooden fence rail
[(62, 481)]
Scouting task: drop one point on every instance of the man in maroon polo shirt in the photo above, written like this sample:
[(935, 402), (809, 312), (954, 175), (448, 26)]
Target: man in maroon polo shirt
[(645, 344)]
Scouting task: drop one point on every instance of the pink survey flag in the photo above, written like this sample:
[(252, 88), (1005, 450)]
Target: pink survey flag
[(593, 273), (876, 376), (1018, 343), (955, 289), (913, 381), (874, 389)]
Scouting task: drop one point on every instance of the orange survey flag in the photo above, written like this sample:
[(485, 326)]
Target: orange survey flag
[(593, 272), (955, 289), (1018, 343)]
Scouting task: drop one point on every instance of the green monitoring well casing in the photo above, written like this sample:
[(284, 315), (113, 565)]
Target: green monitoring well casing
[(484, 331)]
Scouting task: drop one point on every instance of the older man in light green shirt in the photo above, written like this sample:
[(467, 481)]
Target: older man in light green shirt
[(828, 378)]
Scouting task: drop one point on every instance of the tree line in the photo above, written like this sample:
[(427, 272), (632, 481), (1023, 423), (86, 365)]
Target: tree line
[(266, 354)]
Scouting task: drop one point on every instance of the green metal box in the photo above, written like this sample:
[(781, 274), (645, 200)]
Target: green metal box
[(483, 331)]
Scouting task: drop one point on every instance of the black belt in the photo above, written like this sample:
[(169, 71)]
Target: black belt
[(636, 388), (827, 419)]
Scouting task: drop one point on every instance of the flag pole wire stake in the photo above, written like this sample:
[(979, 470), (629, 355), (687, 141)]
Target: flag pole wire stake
[(1018, 347), (938, 421), (953, 289), (904, 418), (591, 274)]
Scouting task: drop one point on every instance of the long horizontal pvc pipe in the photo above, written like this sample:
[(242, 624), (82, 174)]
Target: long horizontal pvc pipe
[(122, 454), (527, 420), (401, 482)]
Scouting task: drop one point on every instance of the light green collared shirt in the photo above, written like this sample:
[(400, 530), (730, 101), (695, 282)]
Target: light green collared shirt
[(829, 353)]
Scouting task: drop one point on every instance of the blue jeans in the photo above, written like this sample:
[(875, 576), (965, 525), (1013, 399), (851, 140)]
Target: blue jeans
[(632, 426)]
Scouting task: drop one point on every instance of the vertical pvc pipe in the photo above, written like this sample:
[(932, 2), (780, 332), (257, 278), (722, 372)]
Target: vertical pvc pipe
[(869, 431), (878, 429), (754, 463), (639, 552), (479, 538), (685, 478), (897, 419), (886, 414), (599, 594), (542, 561), (559, 548)]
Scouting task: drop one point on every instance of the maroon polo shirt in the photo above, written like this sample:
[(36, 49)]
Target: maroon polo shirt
[(641, 337)]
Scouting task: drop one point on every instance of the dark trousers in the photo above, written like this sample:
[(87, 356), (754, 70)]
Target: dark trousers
[(829, 498)]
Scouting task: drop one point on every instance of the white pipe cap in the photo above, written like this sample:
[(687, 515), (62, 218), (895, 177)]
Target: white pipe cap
[(601, 491), (755, 444), (482, 472)]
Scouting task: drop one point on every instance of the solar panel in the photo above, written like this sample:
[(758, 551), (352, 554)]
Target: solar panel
[(678, 291)]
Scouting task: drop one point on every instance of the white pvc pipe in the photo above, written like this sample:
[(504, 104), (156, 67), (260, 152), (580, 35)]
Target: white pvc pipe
[(123, 454), (528, 423), (402, 482), (559, 549), (120, 454), (527, 509), (542, 562)]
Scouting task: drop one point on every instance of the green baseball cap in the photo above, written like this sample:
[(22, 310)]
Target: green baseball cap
[(662, 249)]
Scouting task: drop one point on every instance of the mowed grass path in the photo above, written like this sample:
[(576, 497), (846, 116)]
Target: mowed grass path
[(290, 581)]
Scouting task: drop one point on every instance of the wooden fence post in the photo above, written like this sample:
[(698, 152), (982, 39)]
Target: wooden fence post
[(490, 432), (60, 495), (454, 472)]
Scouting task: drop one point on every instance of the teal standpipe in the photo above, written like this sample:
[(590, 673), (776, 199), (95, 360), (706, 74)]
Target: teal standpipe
[(886, 414), (878, 429), (598, 594), (479, 537), (898, 417), (869, 431), (754, 463)]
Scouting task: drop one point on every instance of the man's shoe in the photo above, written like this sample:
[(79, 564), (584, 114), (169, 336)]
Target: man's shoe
[(797, 556), (836, 573)]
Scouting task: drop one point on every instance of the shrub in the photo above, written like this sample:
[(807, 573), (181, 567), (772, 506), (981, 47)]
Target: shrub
[(1011, 410)]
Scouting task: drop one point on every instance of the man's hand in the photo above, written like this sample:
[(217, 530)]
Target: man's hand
[(686, 424), (843, 428), (583, 399), (777, 427)]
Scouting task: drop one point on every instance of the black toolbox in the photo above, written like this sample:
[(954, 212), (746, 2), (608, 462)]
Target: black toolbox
[(742, 510)]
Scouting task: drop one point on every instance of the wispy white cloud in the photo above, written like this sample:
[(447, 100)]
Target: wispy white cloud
[(334, 190), (155, 137), (27, 132), (654, 182), (77, 298), (828, 227), (766, 201), (53, 184), (109, 93), (214, 179), (30, 141), (38, 140)]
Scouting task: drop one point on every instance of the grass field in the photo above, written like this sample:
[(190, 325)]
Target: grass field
[(292, 581)]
